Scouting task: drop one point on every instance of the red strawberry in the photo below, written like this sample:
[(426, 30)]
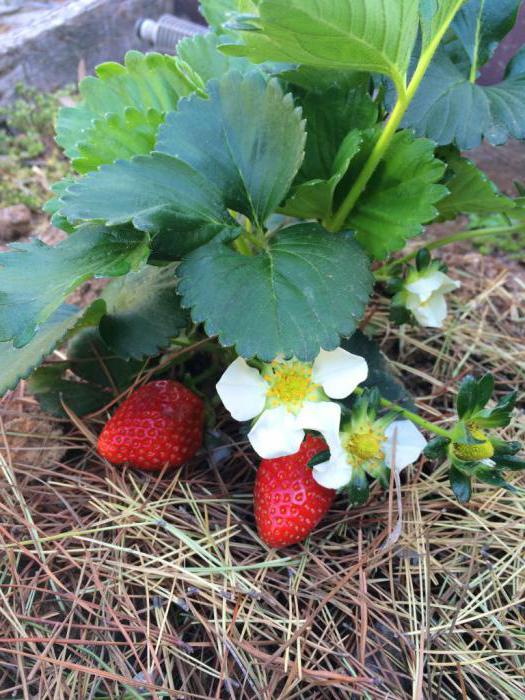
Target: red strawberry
[(160, 423), (288, 501)]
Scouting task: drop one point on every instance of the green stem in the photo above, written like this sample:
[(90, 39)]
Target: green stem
[(474, 66), (338, 220), (382, 272), (412, 416), (404, 98)]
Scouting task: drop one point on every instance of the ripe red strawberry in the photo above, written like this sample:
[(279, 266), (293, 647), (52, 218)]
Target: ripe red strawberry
[(160, 423), (288, 501)]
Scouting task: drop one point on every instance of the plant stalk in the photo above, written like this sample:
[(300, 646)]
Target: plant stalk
[(382, 272), (427, 425), (404, 98)]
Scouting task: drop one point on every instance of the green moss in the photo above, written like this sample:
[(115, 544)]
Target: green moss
[(29, 158)]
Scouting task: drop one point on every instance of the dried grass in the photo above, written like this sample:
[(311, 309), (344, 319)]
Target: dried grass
[(117, 584)]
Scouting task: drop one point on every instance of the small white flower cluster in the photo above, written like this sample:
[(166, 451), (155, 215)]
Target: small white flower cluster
[(287, 397)]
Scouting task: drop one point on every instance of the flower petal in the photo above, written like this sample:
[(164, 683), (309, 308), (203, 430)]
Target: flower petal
[(242, 390), (277, 433), (425, 285), (323, 416), (339, 372), (333, 474), (404, 444), (431, 313)]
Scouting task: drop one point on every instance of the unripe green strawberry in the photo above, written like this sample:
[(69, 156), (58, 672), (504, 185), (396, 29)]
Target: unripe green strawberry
[(288, 501), (159, 424)]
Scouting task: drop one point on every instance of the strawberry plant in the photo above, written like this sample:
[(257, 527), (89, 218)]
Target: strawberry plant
[(256, 189)]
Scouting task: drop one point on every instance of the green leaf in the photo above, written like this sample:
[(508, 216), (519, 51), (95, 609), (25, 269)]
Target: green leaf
[(52, 391), (247, 138), (332, 114), (200, 52), (117, 136), (36, 278), (150, 84), (461, 484), (301, 294), (18, 363), (470, 190), (52, 206), (448, 108), (380, 374), (144, 312), (401, 195), (367, 35), (101, 374), (158, 194), (93, 361), (217, 12), (314, 199), (433, 15), (481, 24), (473, 395)]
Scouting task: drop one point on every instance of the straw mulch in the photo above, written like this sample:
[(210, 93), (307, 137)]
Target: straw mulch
[(117, 584)]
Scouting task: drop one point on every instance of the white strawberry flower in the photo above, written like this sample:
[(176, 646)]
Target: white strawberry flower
[(424, 295), (288, 397), (396, 446)]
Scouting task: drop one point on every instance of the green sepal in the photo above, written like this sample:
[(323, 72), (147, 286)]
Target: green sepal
[(473, 395), (499, 416), (319, 458), (461, 484), (394, 285), (492, 476), (511, 462), (504, 448), (358, 488), (423, 259), (437, 448), (383, 476), (400, 315)]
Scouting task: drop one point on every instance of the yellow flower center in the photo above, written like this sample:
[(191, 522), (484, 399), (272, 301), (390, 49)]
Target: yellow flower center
[(366, 444), (290, 383), (480, 450)]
